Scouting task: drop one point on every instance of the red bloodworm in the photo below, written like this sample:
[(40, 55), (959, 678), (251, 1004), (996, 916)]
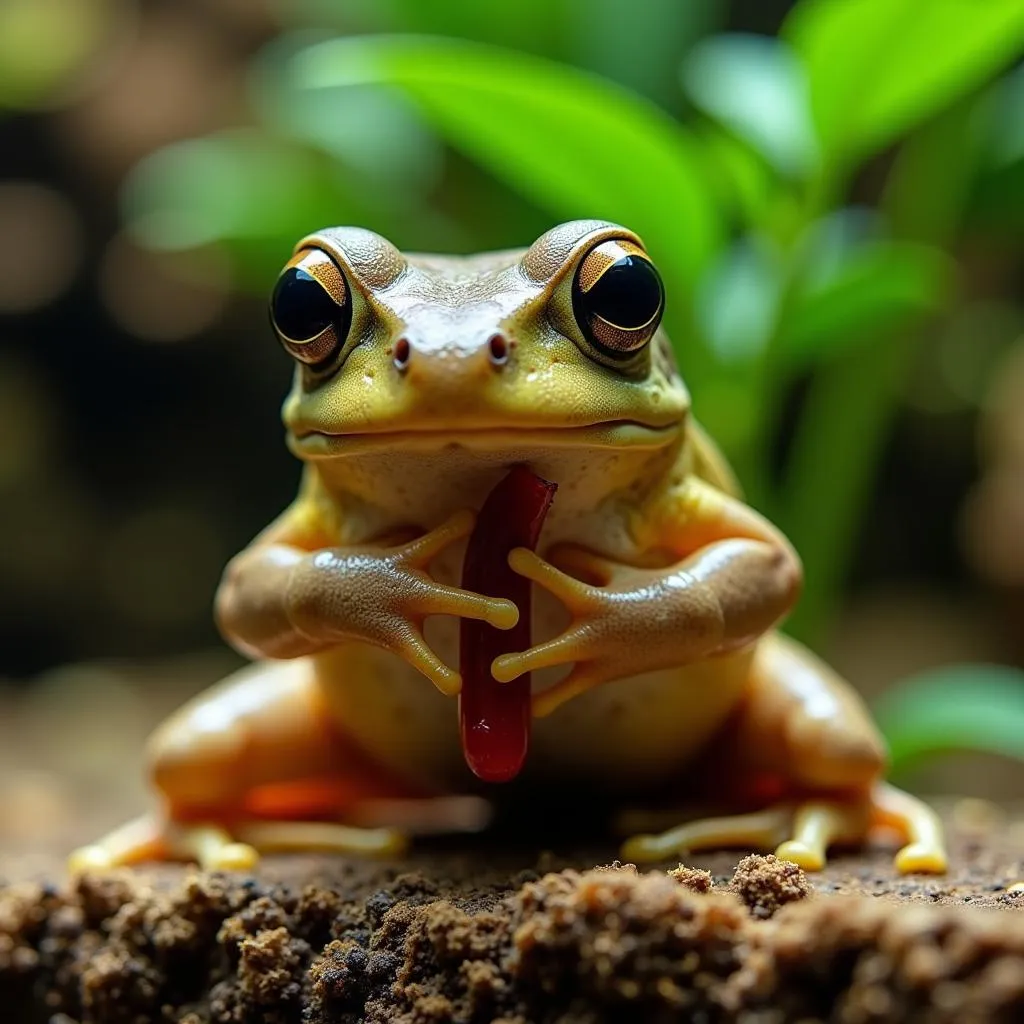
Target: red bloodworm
[(494, 718)]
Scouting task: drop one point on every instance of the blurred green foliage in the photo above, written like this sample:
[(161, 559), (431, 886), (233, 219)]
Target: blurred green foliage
[(741, 160), (42, 43), (960, 707)]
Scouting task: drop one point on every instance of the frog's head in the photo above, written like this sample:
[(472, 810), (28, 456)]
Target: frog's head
[(559, 343)]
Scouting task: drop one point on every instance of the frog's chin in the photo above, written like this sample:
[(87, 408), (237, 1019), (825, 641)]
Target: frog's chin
[(616, 434)]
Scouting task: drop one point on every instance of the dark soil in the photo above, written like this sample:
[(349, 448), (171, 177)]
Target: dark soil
[(483, 933)]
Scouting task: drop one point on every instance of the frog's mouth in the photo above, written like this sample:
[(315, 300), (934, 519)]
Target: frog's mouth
[(313, 443)]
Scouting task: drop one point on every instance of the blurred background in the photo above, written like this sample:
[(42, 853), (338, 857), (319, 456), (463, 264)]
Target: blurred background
[(833, 190)]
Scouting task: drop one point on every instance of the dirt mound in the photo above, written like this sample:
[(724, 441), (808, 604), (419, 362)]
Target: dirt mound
[(370, 943)]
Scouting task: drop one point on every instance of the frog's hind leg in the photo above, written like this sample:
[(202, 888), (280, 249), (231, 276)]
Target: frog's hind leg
[(802, 729), (263, 727)]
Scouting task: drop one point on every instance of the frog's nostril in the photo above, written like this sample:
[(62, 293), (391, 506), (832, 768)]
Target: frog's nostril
[(402, 353), (498, 349)]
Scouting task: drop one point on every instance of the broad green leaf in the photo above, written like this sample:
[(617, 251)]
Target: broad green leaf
[(997, 198), (744, 184), (928, 186), (878, 67), (575, 144), (638, 45), (232, 185), (998, 205), (756, 86), (738, 301), (957, 708), (530, 25), (727, 408), (257, 195), (1001, 120), (374, 132), (252, 193), (828, 243), (875, 290)]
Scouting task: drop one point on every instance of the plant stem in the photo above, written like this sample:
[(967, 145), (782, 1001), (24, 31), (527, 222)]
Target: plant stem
[(837, 448)]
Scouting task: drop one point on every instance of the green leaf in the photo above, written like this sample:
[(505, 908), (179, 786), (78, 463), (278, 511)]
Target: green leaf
[(236, 184), (875, 289), (745, 185), (755, 86), (960, 707), (529, 25), (927, 189), (373, 132), (256, 194), (878, 67), (738, 300), (1001, 120), (230, 185), (997, 193), (637, 45), (575, 144)]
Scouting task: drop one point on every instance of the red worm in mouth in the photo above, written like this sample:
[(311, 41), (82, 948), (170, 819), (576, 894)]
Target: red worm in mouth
[(494, 718)]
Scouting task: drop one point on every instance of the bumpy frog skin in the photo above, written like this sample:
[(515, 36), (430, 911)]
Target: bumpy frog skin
[(656, 668)]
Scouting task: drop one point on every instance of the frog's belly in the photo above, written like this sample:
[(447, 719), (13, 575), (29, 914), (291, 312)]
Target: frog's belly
[(622, 735)]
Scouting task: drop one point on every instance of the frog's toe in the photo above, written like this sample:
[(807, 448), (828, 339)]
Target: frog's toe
[(924, 858), (232, 857), (818, 824), (801, 854), (88, 859), (213, 848), (758, 829), (138, 840), (643, 849), (926, 851), (324, 837)]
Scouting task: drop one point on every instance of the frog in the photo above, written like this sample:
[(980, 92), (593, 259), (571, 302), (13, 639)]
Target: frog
[(657, 664)]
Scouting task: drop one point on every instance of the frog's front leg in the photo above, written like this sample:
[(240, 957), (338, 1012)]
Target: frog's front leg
[(280, 599), (722, 596)]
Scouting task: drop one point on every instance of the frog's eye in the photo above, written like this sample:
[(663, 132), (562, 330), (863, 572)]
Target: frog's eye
[(311, 308), (617, 298)]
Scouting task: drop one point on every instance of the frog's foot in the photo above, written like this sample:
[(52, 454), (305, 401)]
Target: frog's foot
[(799, 833), (147, 838), (377, 828), (917, 822), (802, 833), (759, 829), (320, 837), (819, 823), (214, 848), (141, 839)]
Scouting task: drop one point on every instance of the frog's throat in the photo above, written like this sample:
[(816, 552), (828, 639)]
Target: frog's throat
[(617, 434)]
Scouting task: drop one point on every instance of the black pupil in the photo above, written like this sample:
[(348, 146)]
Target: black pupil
[(300, 305), (627, 294)]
